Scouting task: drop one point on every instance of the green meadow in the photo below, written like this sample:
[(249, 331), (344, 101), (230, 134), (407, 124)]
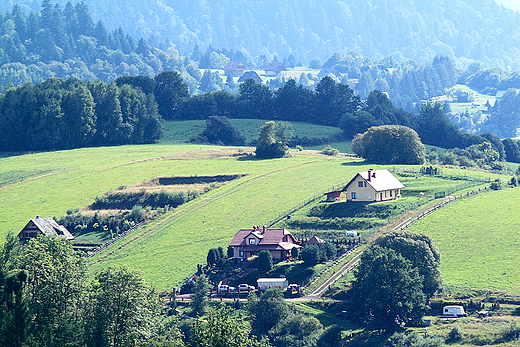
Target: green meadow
[(182, 131), (479, 240), (168, 249)]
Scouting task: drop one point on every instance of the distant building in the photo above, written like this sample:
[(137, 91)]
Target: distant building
[(47, 226), (315, 240), (234, 68), (249, 242), (274, 69), (250, 74), (329, 71)]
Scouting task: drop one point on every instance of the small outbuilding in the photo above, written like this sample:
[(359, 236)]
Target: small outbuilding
[(47, 226), (268, 283)]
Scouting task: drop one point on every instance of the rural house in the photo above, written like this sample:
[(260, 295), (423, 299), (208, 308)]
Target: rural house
[(373, 185), (47, 226), (274, 69), (249, 242), (234, 68), (370, 186)]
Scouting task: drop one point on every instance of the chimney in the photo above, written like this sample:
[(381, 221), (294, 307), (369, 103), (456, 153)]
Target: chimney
[(373, 174), (265, 229), (37, 217), (370, 174)]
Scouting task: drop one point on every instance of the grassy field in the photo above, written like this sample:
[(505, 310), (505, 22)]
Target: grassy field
[(478, 239), (182, 131), (168, 249), (72, 179)]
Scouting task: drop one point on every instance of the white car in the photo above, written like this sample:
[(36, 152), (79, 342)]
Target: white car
[(245, 287)]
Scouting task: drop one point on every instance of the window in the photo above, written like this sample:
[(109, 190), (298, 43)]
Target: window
[(365, 183), (354, 195), (252, 241), (241, 253), (390, 193), (360, 184)]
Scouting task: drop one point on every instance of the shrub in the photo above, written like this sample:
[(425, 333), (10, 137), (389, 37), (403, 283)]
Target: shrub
[(511, 332), (455, 334), (328, 150), (497, 185), (265, 261)]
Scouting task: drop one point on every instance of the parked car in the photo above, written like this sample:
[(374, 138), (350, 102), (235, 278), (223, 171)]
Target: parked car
[(245, 287), (224, 288)]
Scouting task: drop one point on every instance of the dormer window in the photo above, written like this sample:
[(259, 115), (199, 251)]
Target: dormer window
[(252, 241)]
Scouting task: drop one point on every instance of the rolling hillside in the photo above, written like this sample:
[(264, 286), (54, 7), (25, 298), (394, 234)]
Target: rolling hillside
[(169, 248), (181, 240), (478, 239)]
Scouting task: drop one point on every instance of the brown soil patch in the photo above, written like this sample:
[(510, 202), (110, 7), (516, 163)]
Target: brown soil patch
[(211, 153)]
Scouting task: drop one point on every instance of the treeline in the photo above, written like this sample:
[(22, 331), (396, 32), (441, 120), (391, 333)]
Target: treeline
[(65, 114), (65, 42), (407, 29), (291, 102)]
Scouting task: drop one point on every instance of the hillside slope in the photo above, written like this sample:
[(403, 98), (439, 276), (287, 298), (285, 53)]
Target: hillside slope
[(51, 183), (478, 239), (404, 29)]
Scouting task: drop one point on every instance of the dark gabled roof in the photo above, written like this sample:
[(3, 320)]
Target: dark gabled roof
[(314, 240), (49, 227), (269, 239), (380, 180), (250, 74), (234, 65), (275, 67)]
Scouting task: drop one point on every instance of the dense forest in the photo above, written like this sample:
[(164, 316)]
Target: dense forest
[(65, 114), (405, 29)]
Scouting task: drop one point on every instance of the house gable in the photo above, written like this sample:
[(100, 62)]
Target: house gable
[(373, 185), (47, 226), (249, 242)]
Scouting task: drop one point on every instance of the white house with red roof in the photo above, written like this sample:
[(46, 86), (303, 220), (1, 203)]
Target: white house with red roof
[(372, 186), (249, 242)]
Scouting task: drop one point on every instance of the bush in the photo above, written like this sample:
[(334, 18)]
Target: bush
[(265, 261), (329, 151), (497, 185), (455, 334)]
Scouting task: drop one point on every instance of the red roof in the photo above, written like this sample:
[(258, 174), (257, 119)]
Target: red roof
[(269, 239)]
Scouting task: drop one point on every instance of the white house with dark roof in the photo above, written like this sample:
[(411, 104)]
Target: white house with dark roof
[(372, 186), (47, 226), (249, 242)]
